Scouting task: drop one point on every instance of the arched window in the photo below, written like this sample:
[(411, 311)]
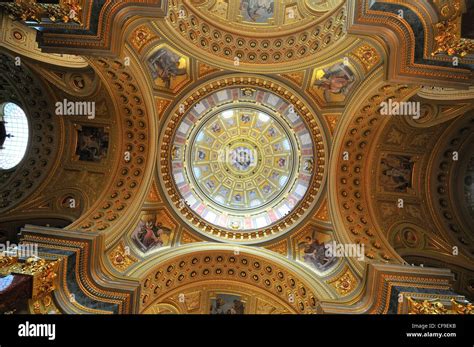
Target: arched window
[(13, 135)]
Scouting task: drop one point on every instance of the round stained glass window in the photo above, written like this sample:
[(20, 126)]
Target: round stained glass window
[(13, 135)]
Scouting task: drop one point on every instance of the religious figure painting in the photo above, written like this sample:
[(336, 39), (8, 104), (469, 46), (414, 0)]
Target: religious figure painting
[(396, 173), (201, 155), (150, 234), (258, 11), (308, 165), (165, 65), (245, 118), (312, 251), (336, 80), (92, 143), (281, 162), (227, 304), (216, 128)]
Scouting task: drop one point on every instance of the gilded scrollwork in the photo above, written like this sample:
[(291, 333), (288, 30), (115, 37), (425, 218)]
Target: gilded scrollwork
[(42, 271), (121, 257), (437, 307), (44, 305), (29, 10), (380, 19), (448, 40)]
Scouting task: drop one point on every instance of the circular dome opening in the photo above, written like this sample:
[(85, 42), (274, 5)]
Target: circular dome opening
[(14, 135), (242, 160)]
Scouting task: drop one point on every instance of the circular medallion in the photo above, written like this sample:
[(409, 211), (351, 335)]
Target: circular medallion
[(243, 157)]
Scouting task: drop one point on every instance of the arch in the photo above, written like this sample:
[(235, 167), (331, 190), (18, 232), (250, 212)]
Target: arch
[(284, 281), (136, 124)]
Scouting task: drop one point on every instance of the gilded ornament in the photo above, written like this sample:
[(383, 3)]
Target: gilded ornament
[(29, 10), (121, 258), (437, 307), (344, 284), (368, 56), (462, 308), (448, 40), (141, 36), (6, 262)]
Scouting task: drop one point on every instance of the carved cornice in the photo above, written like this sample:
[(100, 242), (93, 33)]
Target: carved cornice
[(409, 38), (102, 22), (84, 283), (386, 286), (22, 40)]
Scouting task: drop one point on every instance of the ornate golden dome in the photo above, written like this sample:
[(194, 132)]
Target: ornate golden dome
[(242, 159), (241, 156)]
